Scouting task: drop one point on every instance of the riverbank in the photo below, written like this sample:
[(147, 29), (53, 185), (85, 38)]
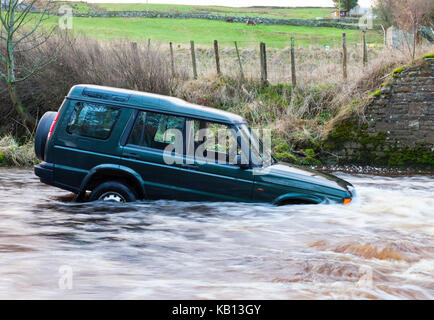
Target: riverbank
[(15, 155), (301, 119)]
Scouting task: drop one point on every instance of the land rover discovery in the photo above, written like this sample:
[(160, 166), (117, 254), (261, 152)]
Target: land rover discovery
[(120, 145)]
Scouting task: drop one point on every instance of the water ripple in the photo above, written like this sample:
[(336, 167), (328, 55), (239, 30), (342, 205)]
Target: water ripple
[(379, 247)]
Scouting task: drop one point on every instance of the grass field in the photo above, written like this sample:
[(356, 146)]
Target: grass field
[(205, 31), (266, 12)]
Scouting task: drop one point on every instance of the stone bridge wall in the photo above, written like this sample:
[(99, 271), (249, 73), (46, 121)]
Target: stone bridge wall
[(398, 126)]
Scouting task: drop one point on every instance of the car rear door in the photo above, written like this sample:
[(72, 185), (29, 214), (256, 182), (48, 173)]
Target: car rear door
[(152, 134), (87, 136)]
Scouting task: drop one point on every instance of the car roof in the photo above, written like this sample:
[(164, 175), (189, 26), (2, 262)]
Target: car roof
[(150, 101)]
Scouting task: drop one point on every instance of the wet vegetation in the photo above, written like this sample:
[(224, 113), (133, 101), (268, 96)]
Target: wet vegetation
[(16, 153)]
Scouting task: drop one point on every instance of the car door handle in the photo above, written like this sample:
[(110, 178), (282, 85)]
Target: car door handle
[(189, 166), (131, 155)]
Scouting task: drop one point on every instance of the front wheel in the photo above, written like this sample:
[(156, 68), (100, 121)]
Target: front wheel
[(112, 191)]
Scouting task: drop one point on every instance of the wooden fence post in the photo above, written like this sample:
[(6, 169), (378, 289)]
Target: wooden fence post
[(135, 52), (172, 59), (344, 55), (217, 58), (384, 36), (193, 59), (148, 49), (239, 61), (293, 77), (365, 50), (263, 52)]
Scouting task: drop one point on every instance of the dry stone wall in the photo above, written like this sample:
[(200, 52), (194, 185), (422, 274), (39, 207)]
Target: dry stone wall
[(398, 126)]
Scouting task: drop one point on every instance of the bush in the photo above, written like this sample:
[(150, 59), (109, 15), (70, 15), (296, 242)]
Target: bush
[(86, 61), (14, 154)]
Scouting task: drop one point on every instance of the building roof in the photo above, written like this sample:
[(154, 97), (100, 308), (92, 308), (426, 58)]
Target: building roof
[(155, 102)]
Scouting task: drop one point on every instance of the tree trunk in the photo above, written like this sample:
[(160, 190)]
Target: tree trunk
[(27, 118)]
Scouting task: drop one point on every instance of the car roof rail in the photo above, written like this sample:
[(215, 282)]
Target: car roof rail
[(101, 94)]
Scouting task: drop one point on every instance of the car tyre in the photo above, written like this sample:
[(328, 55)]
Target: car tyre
[(112, 191), (41, 134)]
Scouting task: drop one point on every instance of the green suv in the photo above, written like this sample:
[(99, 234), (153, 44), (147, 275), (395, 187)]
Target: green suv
[(113, 144)]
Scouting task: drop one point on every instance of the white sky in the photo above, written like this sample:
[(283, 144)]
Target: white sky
[(243, 3)]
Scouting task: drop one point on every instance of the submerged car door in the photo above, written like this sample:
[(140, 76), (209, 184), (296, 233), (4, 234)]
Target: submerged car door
[(87, 136), (208, 174), (144, 152)]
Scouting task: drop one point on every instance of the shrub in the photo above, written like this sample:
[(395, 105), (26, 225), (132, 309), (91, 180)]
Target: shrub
[(14, 154)]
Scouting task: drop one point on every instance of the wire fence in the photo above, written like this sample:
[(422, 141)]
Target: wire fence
[(272, 64)]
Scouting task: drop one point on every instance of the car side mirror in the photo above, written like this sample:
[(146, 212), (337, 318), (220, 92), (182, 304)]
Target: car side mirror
[(241, 164)]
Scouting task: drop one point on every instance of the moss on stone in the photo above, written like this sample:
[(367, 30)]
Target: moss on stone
[(372, 141), (339, 136), (376, 93), (429, 56), (309, 152), (3, 160), (375, 149), (282, 152), (287, 157), (412, 157), (311, 161), (397, 71), (281, 146), (310, 158)]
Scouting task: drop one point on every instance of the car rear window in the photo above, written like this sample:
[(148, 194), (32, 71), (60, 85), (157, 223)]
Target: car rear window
[(93, 120)]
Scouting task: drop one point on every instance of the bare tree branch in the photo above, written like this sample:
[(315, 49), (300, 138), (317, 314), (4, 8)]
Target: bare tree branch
[(17, 36), (3, 76), (37, 25)]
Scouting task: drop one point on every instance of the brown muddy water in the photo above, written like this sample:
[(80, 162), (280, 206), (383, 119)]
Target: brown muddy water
[(379, 247)]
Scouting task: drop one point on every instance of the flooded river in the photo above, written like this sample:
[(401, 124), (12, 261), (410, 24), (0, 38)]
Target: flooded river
[(379, 247)]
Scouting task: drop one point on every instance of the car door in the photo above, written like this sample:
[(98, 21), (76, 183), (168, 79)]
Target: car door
[(210, 172), (87, 136), (146, 153)]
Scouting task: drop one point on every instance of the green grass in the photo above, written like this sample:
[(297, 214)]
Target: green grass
[(205, 31), (265, 12), (279, 13), (77, 7)]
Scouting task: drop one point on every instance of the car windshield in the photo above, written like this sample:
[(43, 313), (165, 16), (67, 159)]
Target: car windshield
[(260, 154)]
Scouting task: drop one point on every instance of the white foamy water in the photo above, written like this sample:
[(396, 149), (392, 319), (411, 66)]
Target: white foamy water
[(379, 247)]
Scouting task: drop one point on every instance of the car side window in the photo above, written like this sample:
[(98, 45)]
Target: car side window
[(155, 130), (215, 142), (92, 120)]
